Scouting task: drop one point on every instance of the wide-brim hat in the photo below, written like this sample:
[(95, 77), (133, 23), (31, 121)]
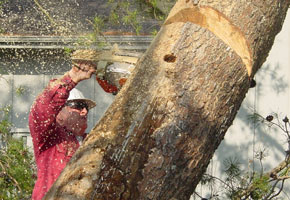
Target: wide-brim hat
[(76, 95), (85, 55)]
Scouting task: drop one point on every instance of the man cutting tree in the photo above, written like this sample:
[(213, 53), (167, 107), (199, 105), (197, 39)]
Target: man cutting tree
[(57, 119)]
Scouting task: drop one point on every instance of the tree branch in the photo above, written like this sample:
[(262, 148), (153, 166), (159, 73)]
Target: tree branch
[(6, 173), (45, 12), (273, 173)]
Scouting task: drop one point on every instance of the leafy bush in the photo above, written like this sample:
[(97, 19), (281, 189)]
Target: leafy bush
[(16, 164)]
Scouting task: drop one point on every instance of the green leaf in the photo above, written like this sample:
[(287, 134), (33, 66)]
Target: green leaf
[(261, 187), (16, 165)]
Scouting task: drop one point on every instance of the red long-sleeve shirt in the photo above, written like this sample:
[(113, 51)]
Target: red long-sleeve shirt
[(53, 144)]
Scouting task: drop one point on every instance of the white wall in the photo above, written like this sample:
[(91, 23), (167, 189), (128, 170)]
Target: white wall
[(271, 95), (33, 85)]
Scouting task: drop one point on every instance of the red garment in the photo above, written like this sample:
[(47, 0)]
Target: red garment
[(53, 145)]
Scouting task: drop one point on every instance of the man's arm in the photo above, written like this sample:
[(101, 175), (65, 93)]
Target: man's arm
[(43, 113)]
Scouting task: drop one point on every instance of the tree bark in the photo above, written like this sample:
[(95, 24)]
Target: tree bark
[(158, 136)]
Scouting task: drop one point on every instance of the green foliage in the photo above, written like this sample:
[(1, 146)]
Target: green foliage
[(153, 3), (206, 179), (131, 19), (16, 173), (154, 32), (114, 18), (67, 51), (254, 184), (132, 13), (123, 13), (239, 184), (285, 172), (16, 164), (232, 168), (154, 8), (98, 23), (2, 3), (20, 90), (4, 123), (260, 186)]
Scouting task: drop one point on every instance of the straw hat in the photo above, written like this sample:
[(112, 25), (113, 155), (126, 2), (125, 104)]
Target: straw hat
[(85, 54)]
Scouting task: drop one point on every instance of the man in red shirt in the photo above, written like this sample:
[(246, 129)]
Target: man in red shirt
[(56, 119)]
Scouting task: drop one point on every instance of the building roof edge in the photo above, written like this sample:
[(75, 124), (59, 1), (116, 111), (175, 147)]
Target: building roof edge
[(73, 42)]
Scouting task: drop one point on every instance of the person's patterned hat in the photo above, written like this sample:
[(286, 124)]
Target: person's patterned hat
[(85, 54)]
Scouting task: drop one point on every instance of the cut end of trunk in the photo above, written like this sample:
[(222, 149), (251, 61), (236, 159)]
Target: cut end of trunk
[(219, 25)]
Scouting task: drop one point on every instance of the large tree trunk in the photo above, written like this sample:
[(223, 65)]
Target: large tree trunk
[(158, 136)]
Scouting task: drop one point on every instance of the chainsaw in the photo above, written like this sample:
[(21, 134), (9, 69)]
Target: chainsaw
[(113, 76), (113, 67)]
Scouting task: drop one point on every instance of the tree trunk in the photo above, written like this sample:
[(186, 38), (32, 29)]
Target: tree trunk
[(157, 138)]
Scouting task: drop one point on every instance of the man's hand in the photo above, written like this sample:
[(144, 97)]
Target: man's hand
[(82, 70)]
